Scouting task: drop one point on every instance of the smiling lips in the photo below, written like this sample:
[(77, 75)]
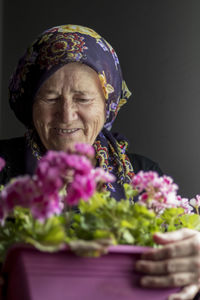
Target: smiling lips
[(66, 131)]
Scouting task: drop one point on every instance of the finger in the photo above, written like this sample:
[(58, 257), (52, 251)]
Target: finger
[(172, 280), (188, 247), (186, 293), (174, 236), (191, 264)]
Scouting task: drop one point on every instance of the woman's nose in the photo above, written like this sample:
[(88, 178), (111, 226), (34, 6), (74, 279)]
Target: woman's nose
[(67, 111)]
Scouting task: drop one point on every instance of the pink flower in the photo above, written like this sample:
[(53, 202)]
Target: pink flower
[(2, 163), (84, 183), (100, 175), (54, 167), (143, 180), (144, 197), (85, 149), (51, 170), (158, 193), (195, 202), (79, 163), (40, 193), (185, 204), (45, 206), (29, 193), (20, 192), (83, 187)]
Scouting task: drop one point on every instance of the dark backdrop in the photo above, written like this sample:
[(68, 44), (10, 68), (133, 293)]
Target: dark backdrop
[(158, 43)]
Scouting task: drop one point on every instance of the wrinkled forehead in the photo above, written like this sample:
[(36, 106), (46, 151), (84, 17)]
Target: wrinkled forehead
[(73, 78)]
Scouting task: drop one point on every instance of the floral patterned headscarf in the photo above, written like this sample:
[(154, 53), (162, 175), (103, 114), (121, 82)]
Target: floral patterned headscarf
[(50, 51)]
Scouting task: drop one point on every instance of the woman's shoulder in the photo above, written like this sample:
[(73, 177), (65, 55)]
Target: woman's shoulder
[(10, 147), (140, 162), (13, 152)]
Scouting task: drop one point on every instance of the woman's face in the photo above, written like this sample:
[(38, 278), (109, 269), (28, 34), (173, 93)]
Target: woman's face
[(69, 107)]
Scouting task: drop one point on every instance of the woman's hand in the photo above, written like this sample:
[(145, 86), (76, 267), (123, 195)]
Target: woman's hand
[(176, 264)]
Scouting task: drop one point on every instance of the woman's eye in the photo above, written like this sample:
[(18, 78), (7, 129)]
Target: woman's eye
[(83, 100), (51, 100)]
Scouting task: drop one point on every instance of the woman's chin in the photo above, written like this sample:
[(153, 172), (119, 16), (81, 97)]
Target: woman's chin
[(65, 145), (64, 142)]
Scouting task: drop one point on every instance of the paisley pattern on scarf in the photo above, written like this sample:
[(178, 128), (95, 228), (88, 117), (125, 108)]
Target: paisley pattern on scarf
[(111, 156), (61, 48), (53, 49)]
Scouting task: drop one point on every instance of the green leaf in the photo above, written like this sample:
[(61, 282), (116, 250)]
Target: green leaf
[(102, 234), (45, 247), (126, 224), (130, 193), (95, 202), (191, 221), (127, 237)]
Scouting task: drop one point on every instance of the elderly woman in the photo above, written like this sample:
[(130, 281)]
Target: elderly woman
[(68, 88)]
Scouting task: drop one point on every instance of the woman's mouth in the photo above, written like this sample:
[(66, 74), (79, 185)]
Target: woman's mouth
[(62, 131)]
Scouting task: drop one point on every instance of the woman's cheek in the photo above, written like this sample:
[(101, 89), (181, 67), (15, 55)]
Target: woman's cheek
[(95, 126)]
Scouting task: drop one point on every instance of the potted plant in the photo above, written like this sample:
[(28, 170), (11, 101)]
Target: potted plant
[(42, 225)]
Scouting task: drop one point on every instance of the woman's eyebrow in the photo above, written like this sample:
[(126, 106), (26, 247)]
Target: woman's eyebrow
[(83, 92), (49, 91)]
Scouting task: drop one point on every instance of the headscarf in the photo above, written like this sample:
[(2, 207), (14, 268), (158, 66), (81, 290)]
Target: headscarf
[(50, 51)]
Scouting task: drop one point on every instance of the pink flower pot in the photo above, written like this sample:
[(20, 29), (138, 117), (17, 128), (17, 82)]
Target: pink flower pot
[(34, 275)]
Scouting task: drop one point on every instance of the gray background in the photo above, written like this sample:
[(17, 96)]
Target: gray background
[(158, 44)]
